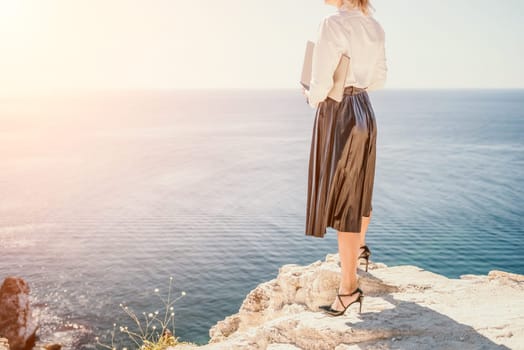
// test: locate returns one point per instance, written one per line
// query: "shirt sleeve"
(326, 56)
(380, 70)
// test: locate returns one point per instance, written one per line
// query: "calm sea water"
(104, 197)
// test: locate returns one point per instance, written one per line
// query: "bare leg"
(348, 247)
(365, 224)
(348, 250)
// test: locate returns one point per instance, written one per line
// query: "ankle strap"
(358, 290)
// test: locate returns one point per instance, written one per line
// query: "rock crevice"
(404, 307)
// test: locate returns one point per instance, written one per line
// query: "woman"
(343, 145)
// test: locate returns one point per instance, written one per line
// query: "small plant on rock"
(155, 333)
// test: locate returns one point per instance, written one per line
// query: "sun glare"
(9, 9)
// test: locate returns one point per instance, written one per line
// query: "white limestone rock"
(404, 307)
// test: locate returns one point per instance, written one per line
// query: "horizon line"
(179, 89)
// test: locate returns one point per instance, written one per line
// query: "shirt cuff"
(309, 102)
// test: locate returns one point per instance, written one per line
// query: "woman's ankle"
(348, 288)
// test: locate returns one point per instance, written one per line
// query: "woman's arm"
(326, 56)
(380, 70)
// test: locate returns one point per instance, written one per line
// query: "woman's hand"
(305, 94)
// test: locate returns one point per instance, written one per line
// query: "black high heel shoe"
(365, 255)
(334, 312)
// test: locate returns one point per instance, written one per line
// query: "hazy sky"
(60, 44)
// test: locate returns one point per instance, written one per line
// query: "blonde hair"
(364, 5)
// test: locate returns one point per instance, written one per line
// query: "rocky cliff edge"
(404, 307)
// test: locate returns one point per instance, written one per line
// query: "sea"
(152, 199)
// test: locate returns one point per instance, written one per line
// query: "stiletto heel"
(365, 255)
(334, 312)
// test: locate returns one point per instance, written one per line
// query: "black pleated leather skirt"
(341, 164)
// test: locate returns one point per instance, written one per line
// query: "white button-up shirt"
(362, 38)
